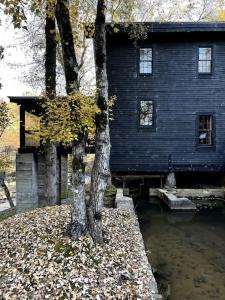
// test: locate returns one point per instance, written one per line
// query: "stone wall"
(26, 182)
(41, 180)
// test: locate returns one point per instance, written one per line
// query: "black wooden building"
(170, 109)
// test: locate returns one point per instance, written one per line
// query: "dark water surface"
(187, 250)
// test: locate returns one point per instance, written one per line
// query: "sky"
(9, 76)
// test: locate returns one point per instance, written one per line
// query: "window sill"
(145, 75)
(146, 128)
(205, 74)
(206, 148)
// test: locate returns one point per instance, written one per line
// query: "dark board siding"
(179, 93)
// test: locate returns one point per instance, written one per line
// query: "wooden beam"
(137, 177)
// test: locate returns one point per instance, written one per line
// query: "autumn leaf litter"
(39, 261)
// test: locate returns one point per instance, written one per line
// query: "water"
(186, 250)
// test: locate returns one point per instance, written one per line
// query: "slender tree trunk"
(66, 35)
(78, 222)
(100, 173)
(50, 56)
(6, 190)
(50, 149)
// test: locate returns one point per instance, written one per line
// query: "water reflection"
(186, 249)
(180, 217)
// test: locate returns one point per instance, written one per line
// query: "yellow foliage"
(220, 16)
(110, 104)
(65, 118)
(10, 136)
(137, 32)
(116, 30)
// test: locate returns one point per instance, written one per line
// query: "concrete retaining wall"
(194, 193)
(41, 180)
(30, 180)
(124, 202)
(26, 182)
(201, 193)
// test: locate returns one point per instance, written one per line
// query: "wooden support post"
(22, 127)
(125, 188)
(161, 181)
(170, 181)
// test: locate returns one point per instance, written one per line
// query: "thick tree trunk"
(78, 222)
(6, 190)
(79, 219)
(100, 172)
(50, 149)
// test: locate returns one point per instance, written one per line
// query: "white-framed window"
(145, 66)
(205, 60)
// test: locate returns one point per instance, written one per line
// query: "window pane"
(208, 66)
(205, 130)
(208, 53)
(205, 53)
(204, 66)
(145, 53)
(145, 61)
(146, 113)
(145, 67)
(200, 67)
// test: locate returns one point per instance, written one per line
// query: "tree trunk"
(50, 149)
(50, 156)
(79, 219)
(66, 36)
(6, 190)
(78, 222)
(100, 172)
(50, 56)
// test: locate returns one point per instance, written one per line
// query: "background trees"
(4, 159)
(4, 117)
